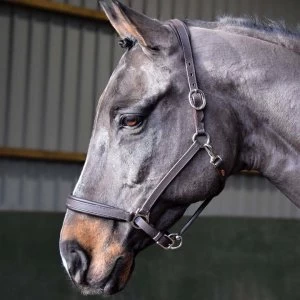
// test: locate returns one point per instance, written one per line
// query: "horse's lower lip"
(108, 286)
(89, 289)
(98, 289)
(111, 285)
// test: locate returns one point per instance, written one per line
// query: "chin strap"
(166, 240)
(169, 241)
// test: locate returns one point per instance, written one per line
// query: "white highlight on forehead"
(155, 76)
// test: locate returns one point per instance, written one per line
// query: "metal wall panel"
(36, 186)
(54, 75)
(5, 70)
(42, 186)
(252, 196)
(35, 80)
(207, 10)
(18, 81)
(71, 78)
(53, 69)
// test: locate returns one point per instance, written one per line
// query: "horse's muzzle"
(87, 275)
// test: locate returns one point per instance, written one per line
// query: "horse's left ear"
(128, 23)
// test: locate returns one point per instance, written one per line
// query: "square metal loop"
(197, 99)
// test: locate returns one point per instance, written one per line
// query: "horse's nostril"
(75, 260)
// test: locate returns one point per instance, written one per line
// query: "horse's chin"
(90, 291)
(115, 282)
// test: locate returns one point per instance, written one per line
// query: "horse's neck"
(261, 82)
(288, 41)
(266, 150)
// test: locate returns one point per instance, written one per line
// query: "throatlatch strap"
(169, 177)
(182, 34)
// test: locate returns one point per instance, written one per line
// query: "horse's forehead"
(132, 78)
(137, 75)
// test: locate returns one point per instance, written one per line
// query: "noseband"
(140, 219)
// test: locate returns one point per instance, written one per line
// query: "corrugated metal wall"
(43, 186)
(207, 9)
(53, 67)
(52, 71)
(36, 186)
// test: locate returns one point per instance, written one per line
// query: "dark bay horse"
(250, 76)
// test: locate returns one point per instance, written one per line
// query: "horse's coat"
(264, 96)
(251, 81)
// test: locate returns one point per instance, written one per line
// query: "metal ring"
(141, 215)
(205, 134)
(215, 159)
(192, 101)
(177, 241)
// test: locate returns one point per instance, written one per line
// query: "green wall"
(222, 258)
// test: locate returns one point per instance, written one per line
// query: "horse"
(247, 96)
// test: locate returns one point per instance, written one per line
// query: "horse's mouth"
(111, 284)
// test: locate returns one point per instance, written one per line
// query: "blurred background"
(55, 60)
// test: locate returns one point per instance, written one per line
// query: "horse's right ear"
(149, 33)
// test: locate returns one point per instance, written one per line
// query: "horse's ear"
(128, 23)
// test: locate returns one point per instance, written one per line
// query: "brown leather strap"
(97, 209)
(182, 33)
(169, 177)
(161, 238)
(196, 96)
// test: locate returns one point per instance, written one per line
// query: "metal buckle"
(141, 215)
(215, 160)
(192, 100)
(198, 134)
(175, 241)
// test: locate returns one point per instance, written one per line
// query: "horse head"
(143, 125)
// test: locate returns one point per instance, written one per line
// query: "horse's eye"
(131, 121)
